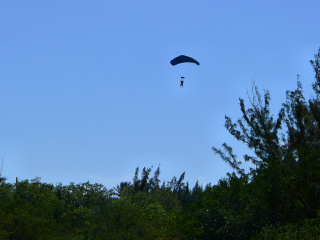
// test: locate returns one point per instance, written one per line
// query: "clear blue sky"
(87, 91)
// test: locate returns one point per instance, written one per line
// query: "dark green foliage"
(264, 134)
(2, 181)
(141, 210)
(283, 187)
(150, 185)
(304, 230)
(257, 129)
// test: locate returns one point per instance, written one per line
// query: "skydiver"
(181, 82)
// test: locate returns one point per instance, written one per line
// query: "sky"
(87, 92)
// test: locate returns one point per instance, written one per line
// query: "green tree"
(2, 179)
(262, 132)
(283, 186)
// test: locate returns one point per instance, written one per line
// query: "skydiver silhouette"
(181, 82)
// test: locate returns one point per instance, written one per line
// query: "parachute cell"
(183, 59)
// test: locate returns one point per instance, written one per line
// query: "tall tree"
(2, 179)
(264, 133)
(284, 187)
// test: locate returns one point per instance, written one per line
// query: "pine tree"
(284, 187)
(296, 125)
(2, 179)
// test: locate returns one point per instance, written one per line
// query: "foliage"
(297, 125)
(35, 210)
(307, 229)
(283, 187)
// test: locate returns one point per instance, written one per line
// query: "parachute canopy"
(183, 59)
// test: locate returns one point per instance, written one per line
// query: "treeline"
(278, 198)
(143, 209)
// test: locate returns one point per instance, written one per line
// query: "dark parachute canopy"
(183, 59)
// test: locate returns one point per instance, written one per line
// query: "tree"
(2, 179)
(263, 132)
(257, 129)
(284, 186)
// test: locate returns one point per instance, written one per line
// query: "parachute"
(183, 59)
